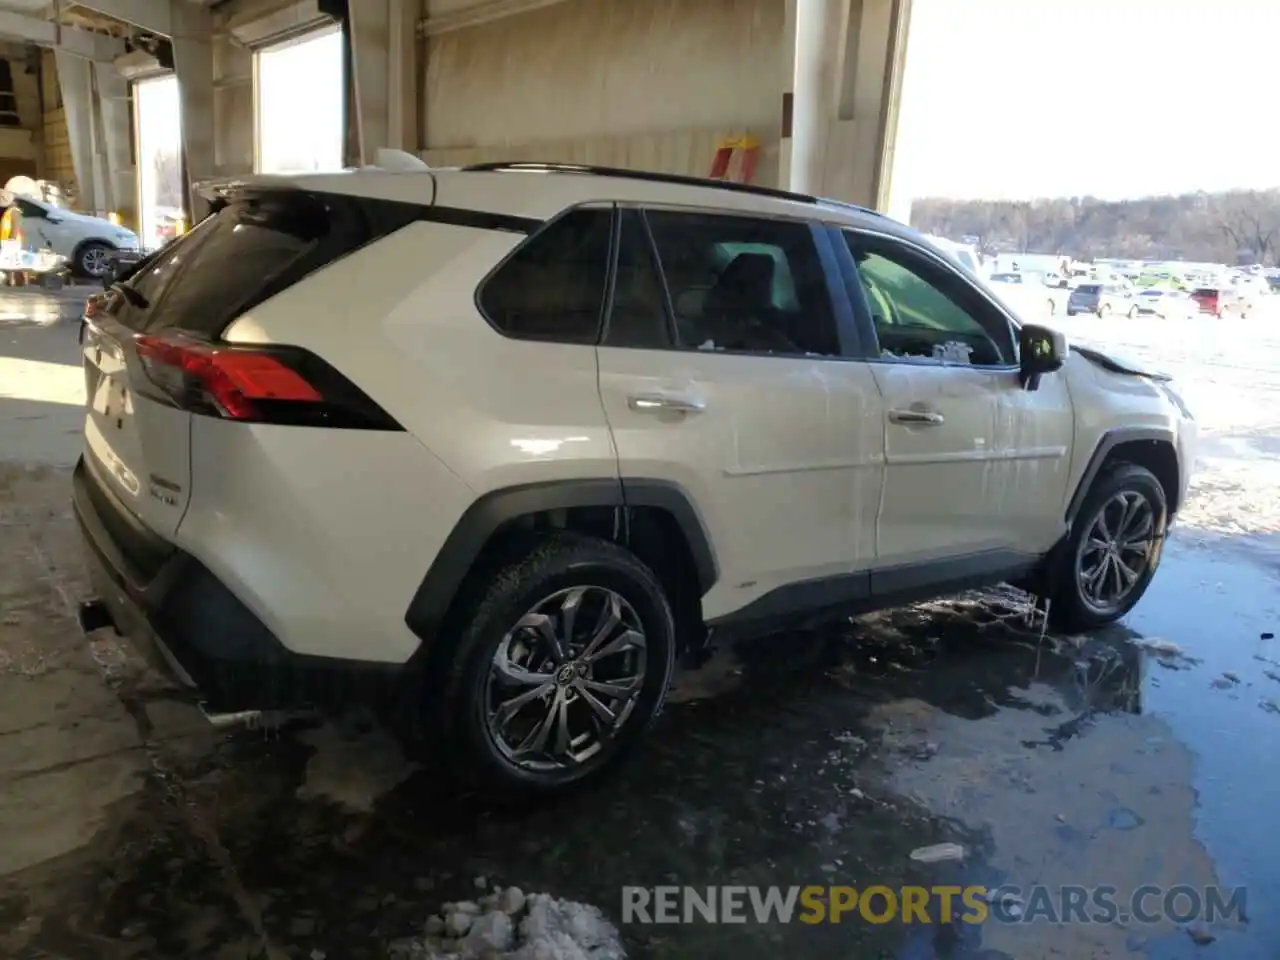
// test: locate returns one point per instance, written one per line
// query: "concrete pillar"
(75, 80)
(846, 61)
(383, 58)
(113, 141)
(193, 61)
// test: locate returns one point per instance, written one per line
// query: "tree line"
(1239, 226)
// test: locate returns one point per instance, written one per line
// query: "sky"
(1013, 99)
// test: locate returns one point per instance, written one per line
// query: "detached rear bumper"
(184, 620)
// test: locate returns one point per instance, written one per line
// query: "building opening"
(300, 87)
(158, 122)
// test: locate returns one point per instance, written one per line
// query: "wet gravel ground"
(1140, 755)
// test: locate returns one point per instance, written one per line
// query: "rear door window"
(744, 284)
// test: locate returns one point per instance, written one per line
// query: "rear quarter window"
(553, 286)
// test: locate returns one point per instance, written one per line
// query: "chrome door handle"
(663, 402)
(918, 417)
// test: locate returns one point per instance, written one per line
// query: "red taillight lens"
(235, 381)
(263, 385)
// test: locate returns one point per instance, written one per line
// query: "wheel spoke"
(569, 616)
(627, 688)
(628, 640)
(509, 708)
(610, 617)
(536, 741)
(544, 628)
(514, 674)
(597, 707)
(1127, 572)
(1128, 505)
(1116, 580)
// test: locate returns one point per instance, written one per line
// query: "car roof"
(542, 190)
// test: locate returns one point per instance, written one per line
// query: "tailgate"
(139, 447)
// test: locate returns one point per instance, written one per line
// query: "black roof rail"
(845, 205)
(649, 175)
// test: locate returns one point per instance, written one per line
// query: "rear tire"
(1113, 549)
(517, 642)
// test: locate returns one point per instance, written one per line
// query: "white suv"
(497, 444)
(87, 242)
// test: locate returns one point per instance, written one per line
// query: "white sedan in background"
(1166, 304)
(1027, 294)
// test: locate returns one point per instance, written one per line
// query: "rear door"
(732, 379)
(137, 439)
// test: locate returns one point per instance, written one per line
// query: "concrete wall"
(652, 84)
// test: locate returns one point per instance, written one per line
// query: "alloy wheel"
(565, 680)
(94, 261)
(1116, 551)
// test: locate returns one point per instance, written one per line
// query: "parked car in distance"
(1166, 304)
(1026, 294)
(1102, 300)
(467, 494)
(87, 242)
(1220, 302)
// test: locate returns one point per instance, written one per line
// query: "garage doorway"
(158, 122)
(300, 89)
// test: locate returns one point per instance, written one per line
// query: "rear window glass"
(235, 256)
(250, 250)
(1205, 292)
(1089, 288)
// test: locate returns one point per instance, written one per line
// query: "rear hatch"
(152, 358)
(1085, 293)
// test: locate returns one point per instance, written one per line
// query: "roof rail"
(504, 167)
(845, 205)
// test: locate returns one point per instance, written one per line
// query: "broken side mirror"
(1042, 351)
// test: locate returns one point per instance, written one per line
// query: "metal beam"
(153, 16)
(72, 40)
(477, 15)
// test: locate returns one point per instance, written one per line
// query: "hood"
(1109, 361)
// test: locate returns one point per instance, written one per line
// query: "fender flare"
(1106, 443)
(494, 510)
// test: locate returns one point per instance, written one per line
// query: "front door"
(731, 380)
(975, 465)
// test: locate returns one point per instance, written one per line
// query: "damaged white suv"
(494, 445)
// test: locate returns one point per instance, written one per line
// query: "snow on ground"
(1228, 372)
(507, 925)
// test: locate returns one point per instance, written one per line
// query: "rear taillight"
(283, 385)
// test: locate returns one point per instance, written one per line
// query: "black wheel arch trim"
(1108, 442)
(492, 511)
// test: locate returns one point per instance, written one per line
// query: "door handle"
(665, 402)
(917, 417)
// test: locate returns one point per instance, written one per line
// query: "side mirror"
(1042, 351)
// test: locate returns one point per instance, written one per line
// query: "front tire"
(1113, 550)
(562, 664)
(93, 259)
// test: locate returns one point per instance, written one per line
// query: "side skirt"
(811, 603)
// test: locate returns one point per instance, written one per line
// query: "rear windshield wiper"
(135, 298)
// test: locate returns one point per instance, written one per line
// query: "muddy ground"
(1142, 755)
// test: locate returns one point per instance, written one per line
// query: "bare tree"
(1250, 225)
(168, 170)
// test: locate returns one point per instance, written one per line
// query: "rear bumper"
(185, 621)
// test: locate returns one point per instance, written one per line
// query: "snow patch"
(507, 925)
